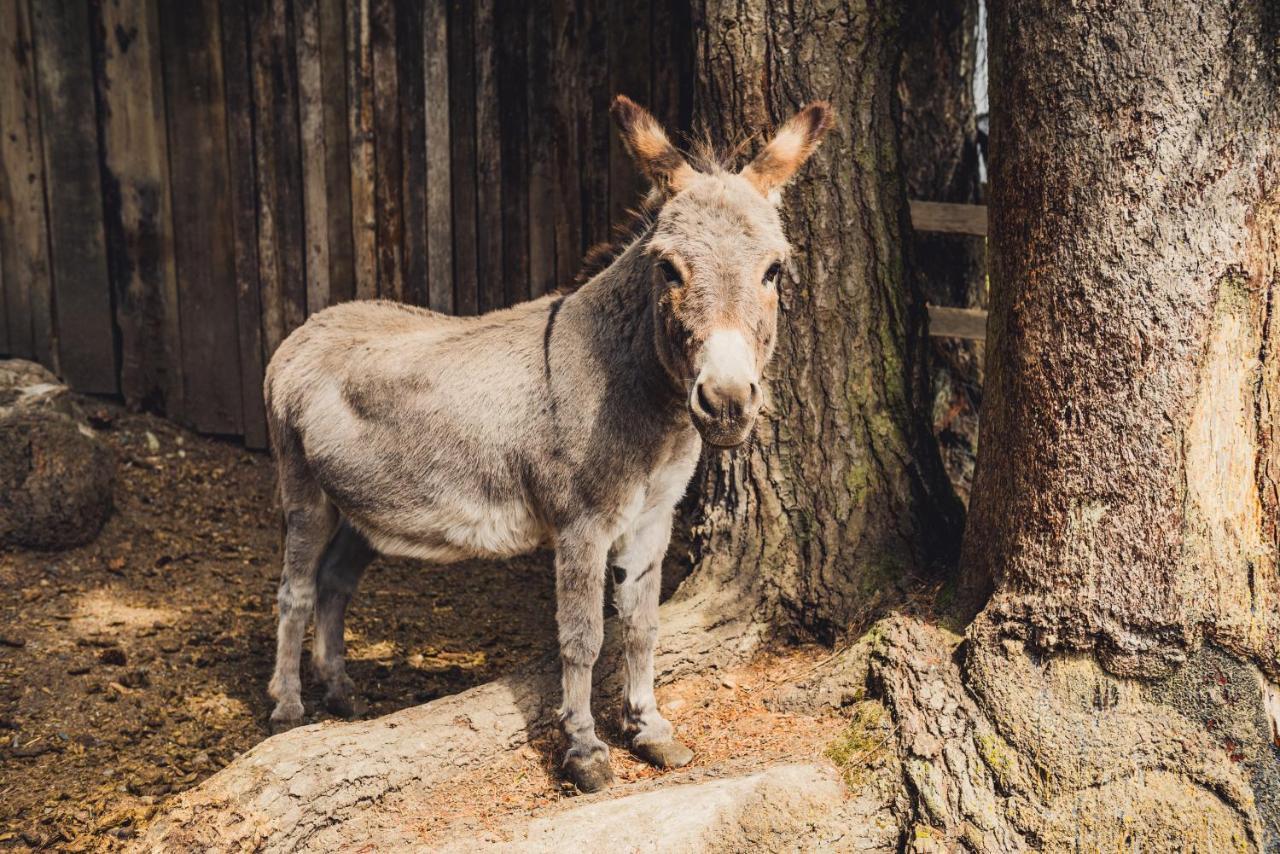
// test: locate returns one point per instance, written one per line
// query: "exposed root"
(1014, 753)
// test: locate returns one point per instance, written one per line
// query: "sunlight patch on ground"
(103, 611)
(430, 658)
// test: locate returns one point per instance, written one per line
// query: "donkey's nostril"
(704, 403)
(755, 394)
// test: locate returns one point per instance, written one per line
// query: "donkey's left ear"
(649, 147)
(789, 148)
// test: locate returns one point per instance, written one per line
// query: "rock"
(56, 480)
(27, 386)
(786, 807)
(113, 656)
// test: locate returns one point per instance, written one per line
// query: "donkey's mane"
(702, 156)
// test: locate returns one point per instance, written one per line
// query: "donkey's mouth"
(724, 436)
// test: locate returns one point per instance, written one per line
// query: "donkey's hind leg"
(309, 519)
(343, 562)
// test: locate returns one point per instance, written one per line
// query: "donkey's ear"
(649, 147)
(789, 148)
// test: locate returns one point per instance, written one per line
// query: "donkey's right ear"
(649, 147)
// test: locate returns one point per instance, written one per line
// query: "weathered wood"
(489, 265)
(138, 220)
(311, 120)
(238, 85)
(337, 152)
(542, 238)
(513, 119)
(970, 323)
(24, 238)
(462, 143)
(949, 218)
(629, 58)
(204, 242)
(386, 141)
(364, 224)
(597, 127)
(277, 155)
(413, 149)
(78, 255)
(670, 64)
(566, 117)
(435, 39)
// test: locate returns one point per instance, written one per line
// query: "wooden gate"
(182, 183)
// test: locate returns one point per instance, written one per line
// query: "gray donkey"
(570, 420)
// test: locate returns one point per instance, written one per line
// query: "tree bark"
(842, 494)
(1118, 690)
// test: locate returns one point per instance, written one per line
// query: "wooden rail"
(941, 217)
(949, 219)
(967, 323)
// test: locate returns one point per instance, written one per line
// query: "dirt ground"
(134, 667)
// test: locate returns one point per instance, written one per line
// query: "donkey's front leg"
(637, 582)
(580, 566)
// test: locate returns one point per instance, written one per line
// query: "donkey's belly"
(456, 531)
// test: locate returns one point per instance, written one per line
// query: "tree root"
(1012, 752)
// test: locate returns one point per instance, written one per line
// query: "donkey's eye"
(772, 274)
(669, 273)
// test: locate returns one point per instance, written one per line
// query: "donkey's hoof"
(663, 754)
(344, 706)
(591, 774)
(285, 717)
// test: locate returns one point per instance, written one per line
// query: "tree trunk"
(1119, 687)
(843, 493)
(939, 132)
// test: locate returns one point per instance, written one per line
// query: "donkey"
(571, 420)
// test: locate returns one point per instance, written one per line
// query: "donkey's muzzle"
(724, 411)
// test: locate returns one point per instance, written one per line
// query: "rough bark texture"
(1117, 691)
(843, 492)
(1134, 218)
(938, 124)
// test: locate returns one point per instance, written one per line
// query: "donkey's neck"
(617, 310)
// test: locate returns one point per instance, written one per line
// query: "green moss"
(861, 741)
(999, 758)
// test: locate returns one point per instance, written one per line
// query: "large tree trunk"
(1118, 691)
(843, 493)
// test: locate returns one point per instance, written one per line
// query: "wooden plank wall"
(181, 185)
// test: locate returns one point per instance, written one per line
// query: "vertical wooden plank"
(138, 221)
(315, 196)
(542, 249)
(78, 257)
(386, 141)
(671, 48)
(462, 140)
(513, 117)
(337, 153)
(238, 84)
(566, 117)
(413, 149)
(597, 127)
(364, 225)
(281, 262)
(24, 236)
(629, 75)
(204, 243)
(488, 161)
(435, 37)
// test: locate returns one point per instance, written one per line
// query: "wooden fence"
(182, 183)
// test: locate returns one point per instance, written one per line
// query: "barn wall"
(181, 184)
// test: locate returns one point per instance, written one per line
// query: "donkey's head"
(718, 253)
